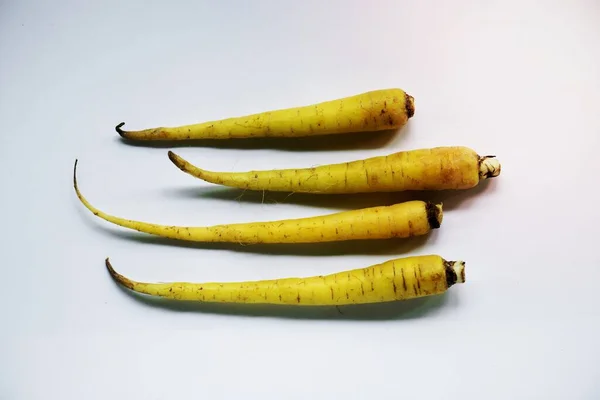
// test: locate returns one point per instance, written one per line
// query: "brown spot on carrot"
(433, 215)
(410, 228)
(382, 112)
(362, 288)
(391, 120)
(279, 297)
(409, 104)
(347, 295)
(395, 288)
(298, 298)
(403, 279)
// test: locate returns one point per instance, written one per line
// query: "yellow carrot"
(399, 279)
(371, 111)
(411, 218)
(423, 169)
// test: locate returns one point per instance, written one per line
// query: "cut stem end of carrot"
(455, 272)
(489, 167)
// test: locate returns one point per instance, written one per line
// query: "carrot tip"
(178, 161)
(109, 267)
(119, 130)
(116, 276)
(75, 173)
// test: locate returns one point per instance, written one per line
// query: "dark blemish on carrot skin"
(298, 298)
(403, 279)
(279, 297)
(256, 175)
(347, 295)
(331, 289)
(382, 112)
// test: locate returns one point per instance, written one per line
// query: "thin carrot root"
(437, 168)
(411, 218)
(398, 279)
(366, 112)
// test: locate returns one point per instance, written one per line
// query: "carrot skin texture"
(398, 279)
(436, 168)
(370, 111)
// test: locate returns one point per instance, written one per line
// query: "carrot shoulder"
(437, 168)
(411, 218)
(398, 279)
(371, 111)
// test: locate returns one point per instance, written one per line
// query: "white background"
(518, 79)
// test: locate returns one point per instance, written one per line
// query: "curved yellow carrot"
(371, 111)
(401, 220)
(399, 279)
(423, 169)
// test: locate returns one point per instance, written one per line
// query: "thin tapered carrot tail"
(185, 166)
(118, 277)
(145, 134)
